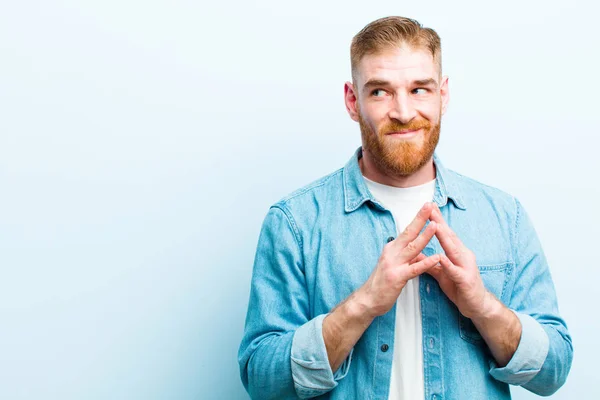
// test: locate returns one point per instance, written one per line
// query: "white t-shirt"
(407, 366)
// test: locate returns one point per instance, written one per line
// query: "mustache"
(395, 126)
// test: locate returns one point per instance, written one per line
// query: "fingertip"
(430, 229)
(434, 271)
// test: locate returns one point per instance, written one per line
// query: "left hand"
(459, 278)
(458, 274)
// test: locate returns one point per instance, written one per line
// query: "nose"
(402, 109)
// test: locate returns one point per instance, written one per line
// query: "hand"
(397, 264)
(458, 274)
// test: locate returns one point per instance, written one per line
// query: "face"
(398, 100)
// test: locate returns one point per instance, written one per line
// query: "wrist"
(358, 307)
(491, 309)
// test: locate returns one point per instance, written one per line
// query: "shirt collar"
(356, 192)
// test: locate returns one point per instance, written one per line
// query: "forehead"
(397, 65)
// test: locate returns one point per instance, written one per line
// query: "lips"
(404, 132)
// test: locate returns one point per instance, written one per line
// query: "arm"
(343, 327)
(459, 278)
(286, 354)
(500, 328)
(529, 341)
(543, 359)
(278, 320)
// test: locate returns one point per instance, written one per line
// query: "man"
(458, 305)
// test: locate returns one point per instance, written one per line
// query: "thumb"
(436, 272)
(451, 271)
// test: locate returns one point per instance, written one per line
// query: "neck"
(369, 169)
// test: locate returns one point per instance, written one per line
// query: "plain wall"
(142, 143)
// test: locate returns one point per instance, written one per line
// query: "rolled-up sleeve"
(529, 356)
(282, 354)
(544, 355)
(310, 365)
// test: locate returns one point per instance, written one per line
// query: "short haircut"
(392, 32)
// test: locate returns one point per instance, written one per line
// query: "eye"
(378, 93)
(420, 91)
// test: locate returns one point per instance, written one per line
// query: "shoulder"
(320, 190)
(311, 204)
(479, 195)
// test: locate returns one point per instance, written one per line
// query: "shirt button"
(390, 239)
(384, 347)
(436, 397)
(427, 288)
(431, 343)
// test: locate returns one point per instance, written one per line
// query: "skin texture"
(401, 90)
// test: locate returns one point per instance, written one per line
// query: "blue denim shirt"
(322, 242)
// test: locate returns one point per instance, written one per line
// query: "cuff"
(310, 364)
(529, 357)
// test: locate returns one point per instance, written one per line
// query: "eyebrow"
(425, 82)
(382, 83)
(376, 82)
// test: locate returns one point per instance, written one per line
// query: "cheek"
(368, 123)
(430, 111)
(374, 115)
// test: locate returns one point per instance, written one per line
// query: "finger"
(412, 249)
(418, 258)
(438, 273)
(452, 271)
(422, 266)
(452, 250)
(412, 230)
(436, 215)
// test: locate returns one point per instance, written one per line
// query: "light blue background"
(142, 142)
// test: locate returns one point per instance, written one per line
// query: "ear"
(350, 98)
(445, 93)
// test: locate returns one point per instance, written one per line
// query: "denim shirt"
(322, 242)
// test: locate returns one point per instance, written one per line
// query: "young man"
(394, 277)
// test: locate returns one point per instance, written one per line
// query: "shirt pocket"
(495, 277)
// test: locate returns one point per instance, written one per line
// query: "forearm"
(527, 353)
(500, 328)
(343, 327)
(281, 365)
(543, 358)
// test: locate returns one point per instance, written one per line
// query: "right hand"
(400, 261)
